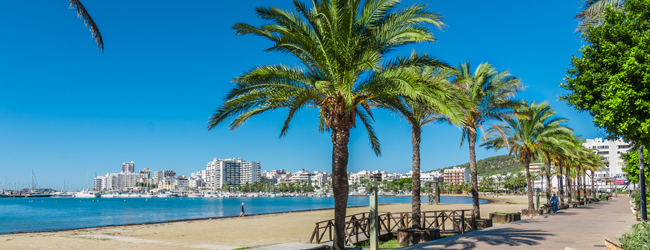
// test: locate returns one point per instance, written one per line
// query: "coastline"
(221, 232)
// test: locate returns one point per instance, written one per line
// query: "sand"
(224, 233)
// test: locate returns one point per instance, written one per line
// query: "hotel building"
(456, 175)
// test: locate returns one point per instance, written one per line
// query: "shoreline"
(220, 218)
(223, 233)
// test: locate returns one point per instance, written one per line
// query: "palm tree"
(341, 45)
(489, 92)
(522, 135)
(88, 20)
(593, 13)
(419, 114)
(559, 144)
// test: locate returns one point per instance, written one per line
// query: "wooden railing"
(357, 227)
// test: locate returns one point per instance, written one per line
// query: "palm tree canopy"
(489, 93)
(88, 20)
(341, 44)
(527, 136)
(446, 103)
(593, 12)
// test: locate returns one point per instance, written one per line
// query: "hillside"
(494, 165)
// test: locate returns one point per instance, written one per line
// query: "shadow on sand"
(503, 237)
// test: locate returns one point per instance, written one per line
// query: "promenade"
(579, 228)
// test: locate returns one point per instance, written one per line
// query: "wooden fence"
(357, 226)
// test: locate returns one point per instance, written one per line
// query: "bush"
(638, 237)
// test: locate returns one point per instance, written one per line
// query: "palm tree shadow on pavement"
(507, 237)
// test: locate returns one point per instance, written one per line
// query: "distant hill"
(494, 165)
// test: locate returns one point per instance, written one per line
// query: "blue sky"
(67, 109)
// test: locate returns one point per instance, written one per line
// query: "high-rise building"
(230, 172)
(611, 152)
(146, 172)
(128, 167)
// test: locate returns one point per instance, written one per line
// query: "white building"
(301, 175)
(128, 167)
(611, 151)
(230, 172)
(456, 175)
(120, 181)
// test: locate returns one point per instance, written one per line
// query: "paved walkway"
(580, 228)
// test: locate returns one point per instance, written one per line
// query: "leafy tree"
(341, 45)
(419, 114)
(489, 92)
(632, 165)
(611, 78)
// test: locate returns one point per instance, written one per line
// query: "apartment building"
(611, 151)
(230, 172)
(456, 175)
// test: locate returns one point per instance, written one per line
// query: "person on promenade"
(242, 211)
(554, 202)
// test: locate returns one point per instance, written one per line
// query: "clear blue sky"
(67, 109)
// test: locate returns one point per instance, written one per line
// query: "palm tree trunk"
(578, 183)
(560, 179)
(568, 184)
(548, 180)
(415, 203)
(584, 184)
(531, 206)
(340, 139)
(471, 136)
(593, 185)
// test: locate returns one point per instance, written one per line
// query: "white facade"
(230, 172)
(301, 175)
(456, 175)
(128, 167)
(611, 151)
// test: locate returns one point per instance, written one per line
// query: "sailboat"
(34, 193)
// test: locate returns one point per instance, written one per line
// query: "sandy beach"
(223, 233)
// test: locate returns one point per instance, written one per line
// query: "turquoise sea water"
(43, 214)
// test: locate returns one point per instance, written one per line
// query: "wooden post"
(374, 225)
(462, 221)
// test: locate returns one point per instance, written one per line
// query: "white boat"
(146, 196)
(195, 195)
(164, 195)
(110, 195)
(87, 194)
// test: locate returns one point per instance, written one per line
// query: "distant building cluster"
(128, 179)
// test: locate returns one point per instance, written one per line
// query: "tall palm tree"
(559, 144)
(490, 94)
(593, 13)
(522, 135)
(90, 23)
(341, 46)
(419, 114)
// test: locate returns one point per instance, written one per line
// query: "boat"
(195, 195)
(146, 196)
(87, 194)
(110, 195)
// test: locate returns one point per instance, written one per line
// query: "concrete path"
(286, 246)
(580, 228)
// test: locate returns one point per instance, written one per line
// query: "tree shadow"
(506, 237)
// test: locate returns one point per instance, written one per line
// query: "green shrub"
(638, 237)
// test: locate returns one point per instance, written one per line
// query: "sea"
(46, 214)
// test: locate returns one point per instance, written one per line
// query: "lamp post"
(644, 210)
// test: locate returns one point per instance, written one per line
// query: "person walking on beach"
(554, 202)
(242, 211)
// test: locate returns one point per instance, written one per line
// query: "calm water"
(21, 215)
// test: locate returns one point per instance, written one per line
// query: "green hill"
(494, 165)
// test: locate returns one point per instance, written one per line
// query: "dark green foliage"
(611, 79)
(632, 165)
(638, 237)
(500, 164)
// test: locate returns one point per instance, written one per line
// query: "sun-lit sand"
(226, 233)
